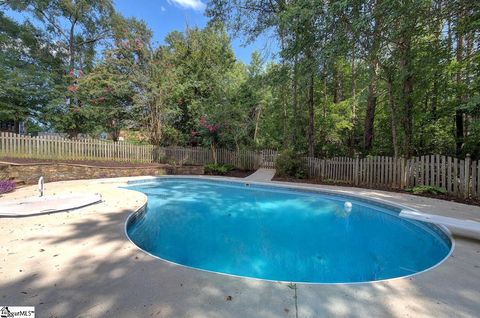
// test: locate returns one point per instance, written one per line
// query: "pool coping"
(303, 188)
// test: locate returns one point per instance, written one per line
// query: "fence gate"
(267, 158)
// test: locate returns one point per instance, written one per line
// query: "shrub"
(290, 164)
(218, 169)
(229, 166)
(426, 189)
(7, 186)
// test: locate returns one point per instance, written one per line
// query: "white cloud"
(162, 8)
(189, 4)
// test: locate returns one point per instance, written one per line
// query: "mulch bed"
(95, 163)
(238, 173)
(427, 195)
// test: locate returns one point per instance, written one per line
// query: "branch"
(101, 36)
(51, 21)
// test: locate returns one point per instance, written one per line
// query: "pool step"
(466, 228)
(262, 174)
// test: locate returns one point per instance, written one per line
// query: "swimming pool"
(281, 234)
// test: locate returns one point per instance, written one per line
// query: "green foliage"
(108, 92)
(29, 72)
(172, 136)
(202, 59)
(421, 189)
(407, 69)
(218, 169)
(290, 164)
(404, 75)
(70, 31)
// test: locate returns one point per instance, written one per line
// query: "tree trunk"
(73, 131)
(284, 91)
(353, 142)
(324, 110)
(16, 126)
(155, 123)
(285, 117)
(257, 120)
(214, 152)
(371, 106)
(407, 94)
(115, 135)
(435, 98)
(391, 103)
(337, 85)
(469, 53)
(311, 115)
(449, 35)
(294, 103)
(71, 46)
(437, 71)
(459, 129)
(373, 79)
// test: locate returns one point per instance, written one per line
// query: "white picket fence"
(459, 177)
(55, 147)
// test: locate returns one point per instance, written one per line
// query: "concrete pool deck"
(81, 264)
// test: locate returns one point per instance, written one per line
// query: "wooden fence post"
(404, 172)
(473, 187)
(466, 187)
(258, 158)
(356, 170)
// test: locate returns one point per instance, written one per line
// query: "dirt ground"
(236, 173)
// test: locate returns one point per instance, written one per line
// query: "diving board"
(467, 228)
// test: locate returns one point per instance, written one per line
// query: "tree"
(210, 134)
(407, 70)
(108, 93)
(412, 63)
(147, 76)
(202, 60)
(75, 27)
(29, 71)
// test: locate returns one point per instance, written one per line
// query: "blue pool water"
(280, 234)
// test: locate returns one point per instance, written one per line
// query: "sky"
(164, 16)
